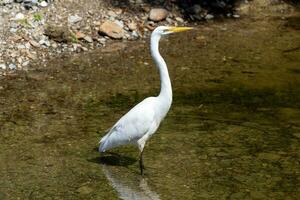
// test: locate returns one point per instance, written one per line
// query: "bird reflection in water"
(129, 186)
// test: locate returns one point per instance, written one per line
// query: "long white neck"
(165, 87)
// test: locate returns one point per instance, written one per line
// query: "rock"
(132, 26)
(209, 17)
(169, 20)
(84, 190)
(179, 19)
(88, 39)
(12, 66)
(120, 23)
(13, 30)
(2, 66)
(135, 34)
(73, 19)
(112, 30)
(112, 14)
(28, 4)
(79, 35)
(59, 33)
(150, 26)
(43, 4)
(34, 43)
(24, 64)
(45, 42)
(7, 1)
(101, 41)
(54, 45)
(158, 14)
(19, 16)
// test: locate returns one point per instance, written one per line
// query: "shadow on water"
(128, 185)
(113, 159)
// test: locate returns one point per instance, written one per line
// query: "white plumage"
(137, 126)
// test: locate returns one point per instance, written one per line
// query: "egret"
(141, 122)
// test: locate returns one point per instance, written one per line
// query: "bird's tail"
(102, 144)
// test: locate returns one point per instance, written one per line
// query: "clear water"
(232, 133)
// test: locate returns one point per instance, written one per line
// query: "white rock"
(24, 64)
(13, 30)
(209, 16)
(43, 4)
(2, 66)
(179, 19)
(120, 23)
(19, 16)
(8, 1)
(74, 19)
(135, 34)
(88, 39)
(12, 66)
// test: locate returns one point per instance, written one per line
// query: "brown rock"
(79, 35)
(59, 33)
(34, 43)
(132, 26)
(112, 30)
(158, 14)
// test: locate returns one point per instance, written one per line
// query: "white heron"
(141, 122)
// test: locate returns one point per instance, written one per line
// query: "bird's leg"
(142, 167)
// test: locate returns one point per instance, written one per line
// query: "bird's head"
(165, 30)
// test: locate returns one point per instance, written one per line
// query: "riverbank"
(34, 33)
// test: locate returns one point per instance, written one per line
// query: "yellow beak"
(179, 29)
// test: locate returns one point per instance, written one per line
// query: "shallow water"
(233, 131)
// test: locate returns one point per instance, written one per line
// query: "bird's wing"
(131, 127)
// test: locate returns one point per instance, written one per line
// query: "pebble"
(112, 14)
(19, 16)
(45, 42)
(132, 26)
(74, 19)
(179, 19)
(88, 39)
(34, 43)
(209, 17)
(24, 64)
(13, 30)
(43, 4)
(7, 1)
(135, 34)
(2, 66)
(12, 66)
(120, 23)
